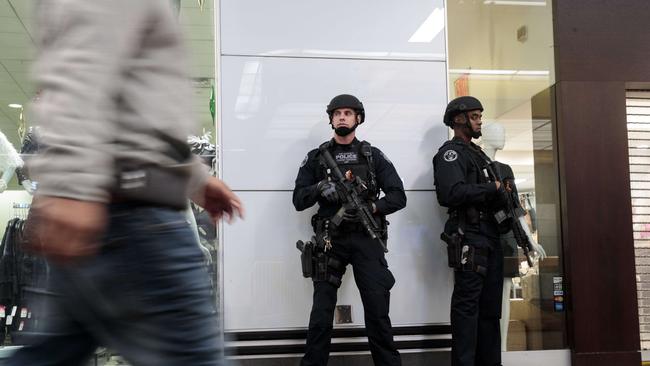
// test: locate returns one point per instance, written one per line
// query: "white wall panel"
(264, 288)
(335, 28)
(273, 113)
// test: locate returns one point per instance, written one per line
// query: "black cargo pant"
(374, 281)
(476, 310)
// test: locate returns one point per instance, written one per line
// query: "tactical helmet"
(346, 101)
(460, 105)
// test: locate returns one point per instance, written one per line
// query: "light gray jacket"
(113, 88)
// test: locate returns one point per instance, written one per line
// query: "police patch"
(348, 157)
(304, 161)
(450, 155)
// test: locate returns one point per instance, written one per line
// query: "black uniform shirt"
(461, 184)
(312, 171)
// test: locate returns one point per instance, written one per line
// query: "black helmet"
(346, 101)
(460, 105)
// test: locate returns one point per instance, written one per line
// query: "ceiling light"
(15, 105)
(519, 181)
(512, 2)
(433, 25)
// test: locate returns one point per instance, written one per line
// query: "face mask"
(344, 131)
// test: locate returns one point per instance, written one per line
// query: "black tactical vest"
(356, 157)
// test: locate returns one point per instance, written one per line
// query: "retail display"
(23, 279)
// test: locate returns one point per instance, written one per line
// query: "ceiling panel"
(5, 9)
(24, 9)
(10, 25)
(10, 40)
(17, 66)
(17, 53)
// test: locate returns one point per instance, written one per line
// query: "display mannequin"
(9, 161)
(493, 139)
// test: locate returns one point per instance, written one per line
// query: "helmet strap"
(468, 124)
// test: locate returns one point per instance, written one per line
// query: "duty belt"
(481, 215)
(350, 226)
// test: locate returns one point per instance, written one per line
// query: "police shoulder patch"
(450, 155)
(304, 161)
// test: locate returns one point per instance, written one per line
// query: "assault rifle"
(512, 211)
(353, 188)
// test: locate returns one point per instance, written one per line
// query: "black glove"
(328, 190)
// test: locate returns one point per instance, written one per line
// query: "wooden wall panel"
(599, 46)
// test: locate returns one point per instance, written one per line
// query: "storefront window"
(502, 53)
(638, 134)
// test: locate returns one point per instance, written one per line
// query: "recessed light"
(15, 105)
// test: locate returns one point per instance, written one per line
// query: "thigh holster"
(465, 257)
(328, 268)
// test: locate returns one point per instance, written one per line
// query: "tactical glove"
(328, 190)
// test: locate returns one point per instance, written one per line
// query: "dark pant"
(374, 281)
(146, 295)
(476, 311)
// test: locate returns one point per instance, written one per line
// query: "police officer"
(464, 186)
(349, 243)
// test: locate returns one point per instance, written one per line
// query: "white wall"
(281, 63)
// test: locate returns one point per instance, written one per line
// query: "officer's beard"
(344, 130)
(473, 134)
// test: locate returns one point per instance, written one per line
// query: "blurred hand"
(372, 206)
(65, 230)
(508, 184)
(541, 253)
(216, 198)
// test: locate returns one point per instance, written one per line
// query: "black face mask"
(344, 131)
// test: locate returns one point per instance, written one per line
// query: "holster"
(315, 261)
(454, 246)
(464, 257)
(306, 257)
(319, 265)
